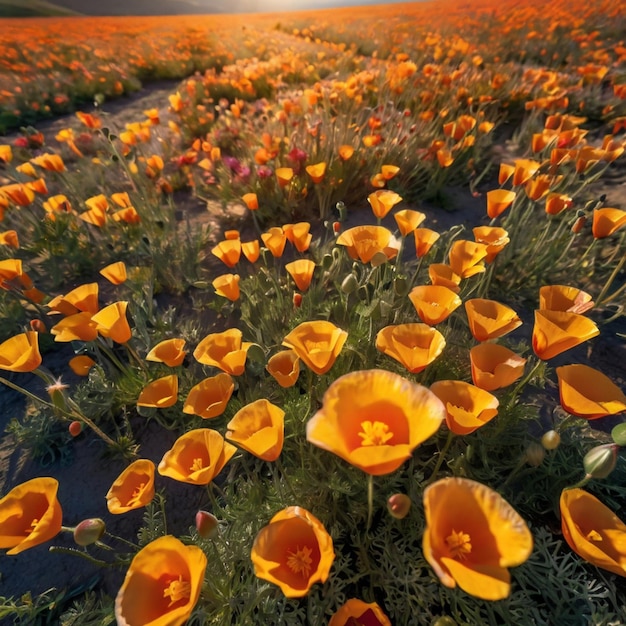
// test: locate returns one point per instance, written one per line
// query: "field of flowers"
(240, 307)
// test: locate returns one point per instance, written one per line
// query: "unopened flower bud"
(89, 531)
(349, 284)
(75, 428)
(38, 326)
(399, 505)
(207, 524)
(297, 300)
(579, 224)
(336, 227)
(379, 258)
(600, 461)
(551, 440)
(534, 454)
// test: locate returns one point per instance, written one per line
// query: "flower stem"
(370, 500)
(442, 455)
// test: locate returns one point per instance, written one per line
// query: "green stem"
(609, 282)
(370, 501)
(442, 455)
(84, 555)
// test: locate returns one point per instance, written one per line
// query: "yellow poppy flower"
(317, 343)
(133, 488)
(414, 345)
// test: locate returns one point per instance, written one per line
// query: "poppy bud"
(297, 300)
(349, 284)
(38, 326)
(89, 531)
(534, 454)
(379, 258)
(579, 224)
(600, 461)
(75, 428)
(207, 524)
(341, 209)
(336, 227)
(399, 505)
(551, 440)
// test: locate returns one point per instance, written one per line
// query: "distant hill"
(142, 7)
(34, 8)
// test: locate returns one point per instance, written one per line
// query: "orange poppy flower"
(557, 202)
(593, 531)
(374, 419)
(442, 274)
(228, 251)
(99, 203)
(489, 319)
(251, 250)
(345, 152)
(170, 351)
(9, 238)
(111, 322)
(227, 286)
(557, 331)
(434, 303)
(196, 457)
(81, 365)
(224, 350)
(162, 585)
(284, 366)
(494, 237)
(76, 327)
(317, 343)
(284, 175)
(30, 514)
(301, 271)
(425, 238)
(408, 220)
(365, 242)
(133, 488)
(128, 215)
(299, 235)
(466, 258)
(20, 353)
(294, 551)
(316, 172)
(251, 201)
(588, 393)
(355, 611)
(275, 240)
(115, 273)
(472, 536)
(495, 366)
(160, 393)
(564, 298)
(468, 407)
(382, 201)
(6, 153)
(505, 172)
(82, 298)
(57, 204)
(18, 194)
(607, 221)
(50, 162)
(210, 397)
(524, 170)
(122, 199)
(258, 428)
(389, 171)
(498, 201)
(414, 345)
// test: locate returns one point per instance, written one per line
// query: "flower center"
(196, 465)
(134, 498)
(300, 561)
(177, 590)
(374, 433)
(459, 545)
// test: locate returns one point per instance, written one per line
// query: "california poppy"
(355, 611)
(111, 322)
(224, 350)
(364, 242)
(564, 298)
(414, 345)
(284, 175)
(9, 238)
(557, 331)
(299, 235)
(434, 303)
(468, 407)
(587, 392)
(169, 351)
(593, 531)
(20, 353)
(495, 366)
(317, 343)
(494, 237)
(284, 366)
(382, 201)
(498, 201)
(524, 170)
(472, 536)
(82, 298)
(374, 419)
(294, 551)
(425, 238)
(81, 364)
(30, 514)
(316, 171)
(196, 457)
(251, 250)
(227, 286)
(133, 488)
(275, 241)
(115, 272)
(160, 393)
(489, 319)
(76, 327)
(301, 270)
(443, 274)
(408, 220)
(251, 201)
(466, 258)
(210, 397)
(162, 584)
(606, 221)
(258, 428)
(228, 251)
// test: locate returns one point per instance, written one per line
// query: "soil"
(86, 475)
